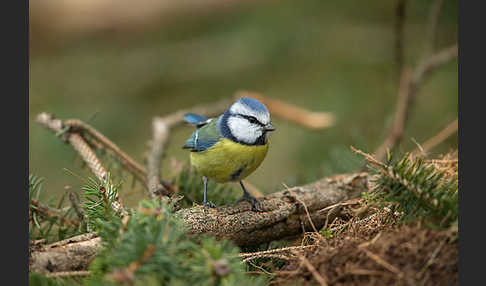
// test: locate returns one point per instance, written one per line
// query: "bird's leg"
(205, 201)
(255, 205)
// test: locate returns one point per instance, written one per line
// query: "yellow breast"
(228, 161)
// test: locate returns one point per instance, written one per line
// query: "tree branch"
(67, 255)
(128, 162)
(445, 133)
(407, 92)
(400, 33)
(431, 31)
(409, 85)
(401, 116)
(80, 145)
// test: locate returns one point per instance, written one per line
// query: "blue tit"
(230, 147)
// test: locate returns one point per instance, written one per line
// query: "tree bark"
(285, 215)
(72, 254)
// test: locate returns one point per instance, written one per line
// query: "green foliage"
(173, 258)
(191, 186)
(421, 189)
(150, 246)
(41, 280)
(49, 221)
(100, 196)
(35, 187)
(326, 233)
(38, 279)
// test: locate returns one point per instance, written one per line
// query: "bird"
(231, 146)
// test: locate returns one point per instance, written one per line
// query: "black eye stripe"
(252, 119)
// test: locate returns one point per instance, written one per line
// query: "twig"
(399, 33)
(401, 116)
(127, 274)
(308, 215)
(430, 64)
(301, 116)
(382, 262)
(432, 27)
(312, 269)
(430, 261)
(278, 256)
(128, 162)
(160, 137)
(277, 250)
(67, 274)
(75, 205)
(366, 219)
(80, 145)
(46, 211)
(368, 157)
(432, 142)
(261, 268)
(409, 85)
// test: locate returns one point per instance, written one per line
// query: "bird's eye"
(252, 119)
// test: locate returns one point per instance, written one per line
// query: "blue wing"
(205, 136)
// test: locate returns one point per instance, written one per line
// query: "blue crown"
(253, 104)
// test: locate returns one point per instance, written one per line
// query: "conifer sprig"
(50, 222)
(100, 197)
(421, 189)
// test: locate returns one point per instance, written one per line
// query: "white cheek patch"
(244, 130)
(238, 108)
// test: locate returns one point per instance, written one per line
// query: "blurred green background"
(117, 71)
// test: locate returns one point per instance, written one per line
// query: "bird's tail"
(194, 118)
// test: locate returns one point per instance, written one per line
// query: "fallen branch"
(285, 217)
(72, 254)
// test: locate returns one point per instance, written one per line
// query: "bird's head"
(247, 121)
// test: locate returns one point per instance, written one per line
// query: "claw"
(255, 205)
(209, 204)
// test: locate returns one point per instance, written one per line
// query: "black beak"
(269, 127)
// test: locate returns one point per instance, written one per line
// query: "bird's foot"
(209, 204)
(255, 205)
